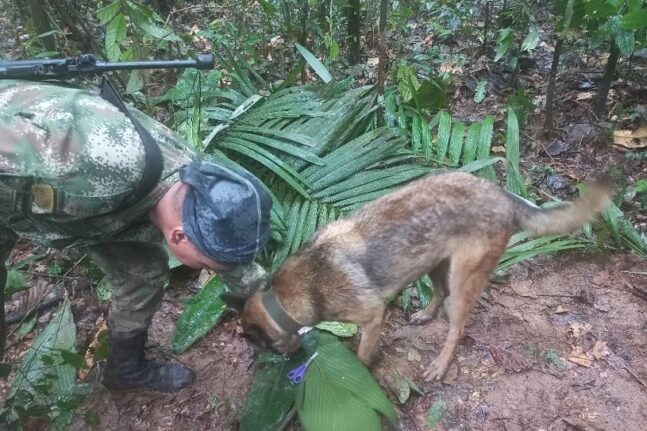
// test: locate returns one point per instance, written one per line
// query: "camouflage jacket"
(68, 158)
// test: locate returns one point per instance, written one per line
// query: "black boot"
(127, 368)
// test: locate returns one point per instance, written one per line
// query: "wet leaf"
(435, 413)
(43, 374)
(314, 62)
(104, 290)
(15, 282)
(199, 316)
(338, 328)
(26, 327)
(339, 393)
(272, 394)
(552, 358)
(399, 385)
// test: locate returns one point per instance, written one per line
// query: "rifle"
(63, 68)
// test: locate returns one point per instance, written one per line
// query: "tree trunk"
(41, 23)
(381, 66)
(354, 24)
(323, 13)
(550, 89)
(607, 79)
(75, 23)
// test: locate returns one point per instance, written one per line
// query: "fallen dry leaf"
(580, 357)
(498, 149)
(579, 329)
(586, 95)
(631, 138)
(560, 310)
(601, 278)
(89, 354)
(522, 288)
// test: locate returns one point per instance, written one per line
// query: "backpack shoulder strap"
(154, 162)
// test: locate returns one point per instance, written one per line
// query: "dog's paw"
(435, 371)
(420, 318)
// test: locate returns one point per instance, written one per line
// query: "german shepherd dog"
(453, 226)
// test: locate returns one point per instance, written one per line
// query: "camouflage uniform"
(68, 158)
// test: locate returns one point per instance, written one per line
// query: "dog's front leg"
(370, 336)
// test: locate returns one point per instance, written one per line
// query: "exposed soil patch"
(512, 370)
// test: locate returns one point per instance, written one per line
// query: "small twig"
(638, 379)
(636, 272)
(42, 274)
(288, 419)
(636, 291)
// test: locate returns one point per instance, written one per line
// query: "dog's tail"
(565, 218)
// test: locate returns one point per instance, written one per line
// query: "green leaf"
(435, 413)
(26, 327)
(16, 282)
(471, 143)
(272, 395)
(267, 7)
(456, 144)
(339, 393)
(202, 314)
(74, 359)
(531, 40)
(634, 20)
(485, 142)
(43, 374)
(104, 289)
(479, 92)
(109, 12)
(115, 34)
(444, 128)
(625, 40)
(431, 94)
(314, 62)
(514, 182)
(339, 329)
(504, 42)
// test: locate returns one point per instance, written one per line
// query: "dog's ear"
(235, 301)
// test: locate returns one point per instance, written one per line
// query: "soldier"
(70, 164)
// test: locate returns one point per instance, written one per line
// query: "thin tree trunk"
(550, 89)
(354, 25)
(381, 66)
(607, 79)
(323, 13)
(42, 24)
(486, 26)
(71, 19)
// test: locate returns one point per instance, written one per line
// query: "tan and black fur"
(454, 227)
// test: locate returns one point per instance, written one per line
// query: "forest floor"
(559, 343)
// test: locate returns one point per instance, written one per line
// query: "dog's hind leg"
(370, 335)
(439, 277)
(469, 272)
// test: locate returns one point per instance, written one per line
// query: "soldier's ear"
(236, 301)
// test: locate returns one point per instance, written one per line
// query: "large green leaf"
(339, 393)
(314, 63)
(444, 128)
(514, 181)
(202, 314)
(272, 395)
(634, 20)
(45, 382)
(485, 142)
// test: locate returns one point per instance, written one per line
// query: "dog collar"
(278, 313)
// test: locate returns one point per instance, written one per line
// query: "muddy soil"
(560, 345)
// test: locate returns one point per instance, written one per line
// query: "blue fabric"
(226, 213)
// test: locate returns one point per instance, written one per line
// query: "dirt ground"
(560, 345)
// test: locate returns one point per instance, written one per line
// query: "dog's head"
(258, 326)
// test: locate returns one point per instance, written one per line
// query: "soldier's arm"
(246, 278)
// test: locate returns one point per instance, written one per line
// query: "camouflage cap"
(226, 213)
